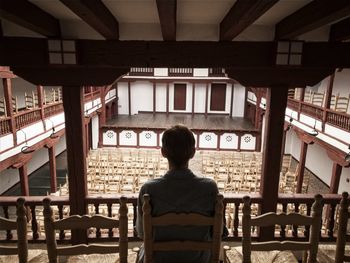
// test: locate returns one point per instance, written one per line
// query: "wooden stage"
(194, 122)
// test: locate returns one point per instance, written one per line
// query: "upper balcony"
(178, 72)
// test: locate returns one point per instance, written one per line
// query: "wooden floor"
(197, 121)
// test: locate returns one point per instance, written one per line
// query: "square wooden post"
(276, 105)
(53, 173)
(23, 177)
(73, 103)
(301, 169)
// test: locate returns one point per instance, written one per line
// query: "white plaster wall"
(227, 100)
(238, 98)
(160, 72)
(208, 140)
(199, 98)
(148, 138)
(248, 142)
(123, 102)
(141, 97)
(161, 97)
(200, 72)
(229, 141)
(127, 138)
(109, 138)
(6, 142)
(338, 133)
(95, 131)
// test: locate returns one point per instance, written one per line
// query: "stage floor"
(197, 121)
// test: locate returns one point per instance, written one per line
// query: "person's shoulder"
(206, 181)
(151, 183)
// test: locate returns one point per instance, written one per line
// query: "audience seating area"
(339, 102)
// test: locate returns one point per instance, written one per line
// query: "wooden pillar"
(129, 98)
(102, 117)
(53, 174)
(301, 170)
(23, 178)
(257, 110)
(9, 109)
(154, 97)
(336, 173)
(206, 98)
(231, 104)
(117, 99)
(40, 92)
(73, 104)
(275, 112)
(167, 98)
(245, 102)
(302, 94)
(193, 96)
(328, 99)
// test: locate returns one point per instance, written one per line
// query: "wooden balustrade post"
(301, 169)
(53, 174)
(23, 178)
(73, 104)
(275, 112)
(9, 109)
(40, 92)
(102, 117)
(257, 110)
(302, 96)
(206, 99)
(328, 99)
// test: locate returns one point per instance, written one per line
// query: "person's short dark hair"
(178, 144)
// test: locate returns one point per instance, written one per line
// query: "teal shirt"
(179, 191)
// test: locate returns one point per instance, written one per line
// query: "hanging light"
(347, 156)
(289, 124)
(313, 132)
(53, 134)
(26, 149)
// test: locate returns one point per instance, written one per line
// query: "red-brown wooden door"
(218, 97)
(179, 96)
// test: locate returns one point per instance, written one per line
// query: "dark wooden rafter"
(167, 18)
(96, 15)
(1, 31)
(340, 31)
(242, 14)
(312, 16)
(30, 16)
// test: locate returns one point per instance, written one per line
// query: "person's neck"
(173, 167)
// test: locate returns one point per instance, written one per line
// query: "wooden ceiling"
(169, 20)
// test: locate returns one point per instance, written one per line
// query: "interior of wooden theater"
(89, 87)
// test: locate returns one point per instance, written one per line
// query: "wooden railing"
(300, 203)
(27, 117)
(5, 125)
(312, 110)
(141, 71)
(53, 109)
(338, 119)
(293, 104)
(180, 71)
(219, 72)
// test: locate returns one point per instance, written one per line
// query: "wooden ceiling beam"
(242, 14)
(340, 31)
(312, 16)
(28, 15)
(167, 18)
(96, 15)
(1, 31)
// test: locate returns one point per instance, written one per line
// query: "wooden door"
(218, 97)
(179, 96)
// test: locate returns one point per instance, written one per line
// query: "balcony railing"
(5, 125)
(180, 71)
(53, 109)
(27, 117)
(338, 119)
(141, 72)
(299, 203)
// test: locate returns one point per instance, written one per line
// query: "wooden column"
(276, 104)
(117, 99)
(231, 105)
(167, 98)
(257, 110)
(129, 98)
(336, 173)
(206, 98)
(301, 170)
(193, 96)
(73, 103)
(23, 178)
(154, 97)
(9, 109)
(53, 174)
(328, 99)
(102, 117)
(40, 92)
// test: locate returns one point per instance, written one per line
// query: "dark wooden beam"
(53, 173)
(312, 16)
(276, 105)
(167, 18)
(340, 31)
(73, 104)
(301, 169)
(242, 14)
(96, 15)
(28, 15)
(1, 31)
(336, 173)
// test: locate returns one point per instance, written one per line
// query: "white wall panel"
(123, 102)
(161, 72)
(161, 97)
(109, 138)
(248, 142)
(94, 131)
(6, 142)
(338, 133)
(238, 98)
(229, 141)
(141, 96)
(148, 138)
(199, 98)
(200, 72)
(208, 140)
(128, 138)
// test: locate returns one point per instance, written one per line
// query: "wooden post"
(275, 112)
(23, 178)
(257, 110)
(206, 98)
(22, 231)
(301, 170)
(167, 98)
(8, 104)
(154, 97)
(117, 99)
(102, 117)
(328, 99)
(53, 174)
(336, 173)
(193, 96)
(231, 104)
(129, 98)
(73, 104)
(40, 91)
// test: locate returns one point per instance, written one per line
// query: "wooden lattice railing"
(53, 109)
(24, 118)
(338, 119)
(106, 204)
(5, 125)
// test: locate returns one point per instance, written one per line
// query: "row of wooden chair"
(230, 254)
(338, 102)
